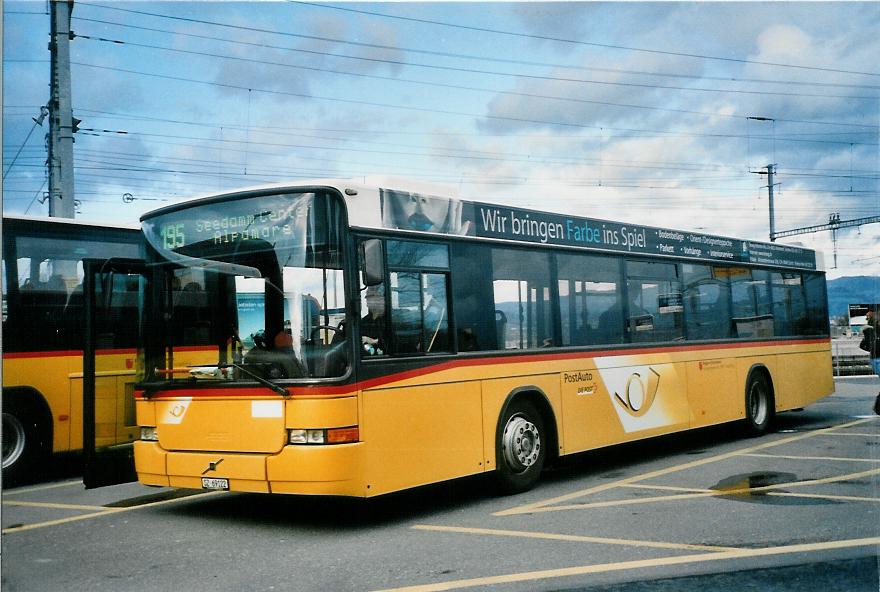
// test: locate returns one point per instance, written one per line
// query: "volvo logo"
(212, 466)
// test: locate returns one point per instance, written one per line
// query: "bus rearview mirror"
(374, 262)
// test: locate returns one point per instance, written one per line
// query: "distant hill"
(851, 290)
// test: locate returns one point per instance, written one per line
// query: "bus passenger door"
(113, 291)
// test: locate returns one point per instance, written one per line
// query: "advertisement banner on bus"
(413, 211)
(492, 221)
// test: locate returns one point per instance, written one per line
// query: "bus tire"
(520, 447)
(24, 439)
(759, 404)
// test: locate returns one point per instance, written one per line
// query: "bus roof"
(69, 221)
(416, 207)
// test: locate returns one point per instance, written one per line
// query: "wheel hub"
(758, 404)
(13, 439)
(520, 443)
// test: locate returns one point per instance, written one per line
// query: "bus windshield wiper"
(264, 381)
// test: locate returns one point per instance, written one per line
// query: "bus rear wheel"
(520, 447)
(22, 445)
(759, 405)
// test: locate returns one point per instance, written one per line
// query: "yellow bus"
(43, 318)
(368, 340)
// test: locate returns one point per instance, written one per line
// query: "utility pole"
(770, 185)
(61, 122)
(769, 173)
(770, 201)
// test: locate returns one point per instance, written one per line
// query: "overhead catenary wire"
(344, 165)
(434, 110)
(384, 131)
(37, 121)
(495, 73)
(482, 57)
(485, 30)
(282, 173)
(481, 155)
(587, 43)
(471, 155)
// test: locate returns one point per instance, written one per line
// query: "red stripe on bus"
(570, 356)
(331, 390)
(45, 354)
(67, 353)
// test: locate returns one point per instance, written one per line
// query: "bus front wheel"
(520, 447)
(759, 405)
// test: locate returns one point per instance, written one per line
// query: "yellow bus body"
(56, 379)
(437, 423)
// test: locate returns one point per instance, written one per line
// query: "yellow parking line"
(845, 498)
(842, 498)
(534, 506)
(105, 512)
(632, 501)
(570, 537)
(828, 458)
(41, 487)
(667, 488)
(704, 493)
(856, 435)
(532, 576)
(53, 506)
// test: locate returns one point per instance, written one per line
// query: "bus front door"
(113, 291)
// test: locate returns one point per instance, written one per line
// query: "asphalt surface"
(798, 509)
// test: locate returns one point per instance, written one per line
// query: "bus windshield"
(253, 289)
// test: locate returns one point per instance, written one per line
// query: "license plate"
(215, 483)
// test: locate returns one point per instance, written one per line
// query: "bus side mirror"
(374, 262)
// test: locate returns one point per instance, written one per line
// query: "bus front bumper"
(297, 469)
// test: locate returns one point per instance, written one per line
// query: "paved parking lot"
(793, 510)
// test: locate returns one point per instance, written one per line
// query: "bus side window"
(655, 302)
(521, 295)
(43, 296)
(435, 313)
(750, 301)
(789, 303)
(405, 312)
(189, 308)
(409, 313)
(817, 312)
(419, 312)
(706, 301)
(589, 299)
(476, 320)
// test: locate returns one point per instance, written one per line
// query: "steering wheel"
(338, 330)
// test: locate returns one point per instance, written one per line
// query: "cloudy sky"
(641, 112)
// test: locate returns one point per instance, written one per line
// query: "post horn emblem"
(647, 392)
(212, 466)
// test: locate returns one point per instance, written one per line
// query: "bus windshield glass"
(252, 289)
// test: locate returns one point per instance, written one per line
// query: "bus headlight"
(297, 436)
(149, 433)
(328, 436)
